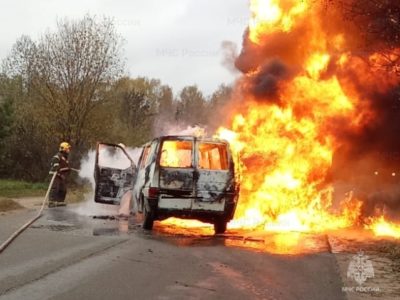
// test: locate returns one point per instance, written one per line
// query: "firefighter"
(59, 165)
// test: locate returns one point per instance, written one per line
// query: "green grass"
(15, 188)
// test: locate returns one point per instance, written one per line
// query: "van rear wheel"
(148, 220)
(220, 226)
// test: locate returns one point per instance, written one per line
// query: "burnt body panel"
(213, 185)
(172, 179)
(111, 184)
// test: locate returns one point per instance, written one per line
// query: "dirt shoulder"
(10, 204)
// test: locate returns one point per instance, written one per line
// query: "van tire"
(148, 219)
(220, 226)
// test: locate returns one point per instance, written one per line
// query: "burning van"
(177, 176)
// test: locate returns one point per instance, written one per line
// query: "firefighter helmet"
(65, 147)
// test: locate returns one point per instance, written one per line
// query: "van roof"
(192, 137)
(187, 137)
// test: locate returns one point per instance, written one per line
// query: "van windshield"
(176, 154)
(213, 156)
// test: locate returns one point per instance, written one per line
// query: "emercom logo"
(360, 268)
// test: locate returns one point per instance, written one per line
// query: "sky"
(176, 41)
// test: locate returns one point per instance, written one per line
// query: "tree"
(166, 111)
(166, 102)
(133, 109)
(191, 106)
(8, 88)
(217, 107)
(6, 108)
(379, 23)
(24, 150)
(220, 97)
(65, 72)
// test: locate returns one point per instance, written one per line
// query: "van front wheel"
(220, 226)
(148, 218)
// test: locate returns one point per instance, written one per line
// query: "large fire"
(270, 15)
(286, 132)
(286, 147)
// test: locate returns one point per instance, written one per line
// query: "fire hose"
(29, 223)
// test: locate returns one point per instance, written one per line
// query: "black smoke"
(264, 85)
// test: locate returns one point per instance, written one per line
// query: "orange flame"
(381, 227)
(285, 149)
(176, 154)
(269, 16)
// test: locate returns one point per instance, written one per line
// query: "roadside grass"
(15, 188)
(11, 189)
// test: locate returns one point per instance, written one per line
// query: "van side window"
(176, 154)
(213, 156)
(146, 151)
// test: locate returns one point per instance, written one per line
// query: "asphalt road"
(69, 255)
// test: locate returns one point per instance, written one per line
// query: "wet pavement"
(63, 239)
(288, 243)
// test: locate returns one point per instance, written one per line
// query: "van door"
(142, 177)
(176, 167)
(114, 173)
(215, 175)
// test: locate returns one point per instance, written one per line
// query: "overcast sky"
(177, 41)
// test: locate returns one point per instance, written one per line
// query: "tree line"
(69, 85)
